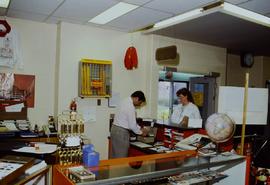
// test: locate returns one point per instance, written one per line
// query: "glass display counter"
(159, 169)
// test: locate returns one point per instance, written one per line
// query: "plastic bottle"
(90, 157)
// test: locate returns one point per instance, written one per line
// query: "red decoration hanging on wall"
(131, 58)
(6, 29)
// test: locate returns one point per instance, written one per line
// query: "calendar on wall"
(95, 78)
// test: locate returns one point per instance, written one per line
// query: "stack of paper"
(36, 167)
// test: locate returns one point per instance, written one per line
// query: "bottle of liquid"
(73, 110)
(73, 105)
(36, 129)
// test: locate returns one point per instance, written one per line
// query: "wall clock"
(247, 60)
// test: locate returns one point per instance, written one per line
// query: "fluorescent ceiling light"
(4, 3)
(179, 18)
(245, 14)
(115, 11)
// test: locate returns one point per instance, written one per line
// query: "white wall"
(236, 73)
(88, 42)
(38, 42)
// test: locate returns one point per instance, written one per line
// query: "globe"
(219, 127)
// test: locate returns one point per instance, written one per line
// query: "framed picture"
(18, 87)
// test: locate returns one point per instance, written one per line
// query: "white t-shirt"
(125, 116)
(190, 110)
(10, 50)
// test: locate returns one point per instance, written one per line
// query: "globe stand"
(218, 148)
(220, 128)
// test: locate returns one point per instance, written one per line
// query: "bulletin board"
(231, 102)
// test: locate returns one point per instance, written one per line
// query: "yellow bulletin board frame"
(95, 78)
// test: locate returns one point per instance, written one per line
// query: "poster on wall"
(18, 87)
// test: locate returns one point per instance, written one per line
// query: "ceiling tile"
(83, 10)
(26, 15)
(235, 2)
(52, 20)
(35, 6)
(177, 6)
(56, 20)
(137, 2)
(138, 19)
(80, 11)
(107, 27)
(259, 6)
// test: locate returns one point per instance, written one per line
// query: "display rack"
(70, 132)
(95, 78)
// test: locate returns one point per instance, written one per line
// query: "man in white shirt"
(186, 109)
(124, 121)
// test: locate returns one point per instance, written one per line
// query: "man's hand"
(145, 131)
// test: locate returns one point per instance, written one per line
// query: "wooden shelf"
(22, 115)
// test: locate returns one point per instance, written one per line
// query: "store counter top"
(148, 168)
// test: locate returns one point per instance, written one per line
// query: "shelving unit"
(21, 115)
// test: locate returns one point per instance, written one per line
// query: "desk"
(20, 170)
(37, 176)
(8, 144)
(52, 140)
(160, 136)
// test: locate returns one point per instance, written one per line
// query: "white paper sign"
(89, 114)
(231, 102)
(14, 108)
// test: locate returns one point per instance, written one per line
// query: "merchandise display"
(70, 131)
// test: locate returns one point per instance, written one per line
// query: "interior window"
(167, 89)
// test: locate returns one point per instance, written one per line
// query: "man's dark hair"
(185, 92)
(139, 95)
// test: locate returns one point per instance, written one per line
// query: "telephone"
(49, 129)
(8, 125)
(193, 142)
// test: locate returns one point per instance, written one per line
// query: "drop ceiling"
(215, 29)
